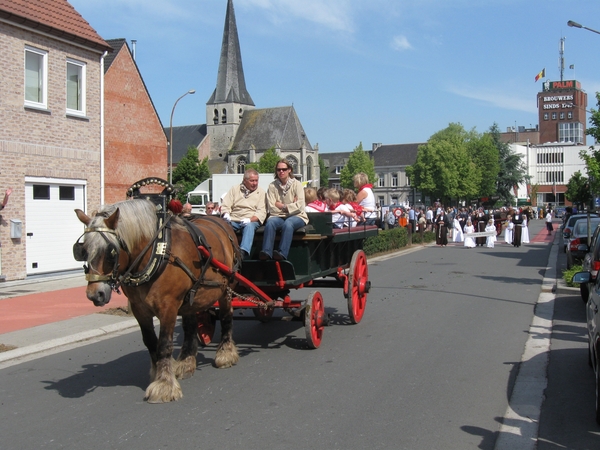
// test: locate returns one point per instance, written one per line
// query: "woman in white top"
(508, 232)
(365, 197)
(457, 235)
(469, 228)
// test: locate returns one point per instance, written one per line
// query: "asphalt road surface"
(431, 366)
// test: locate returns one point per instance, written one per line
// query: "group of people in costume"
(461, 224)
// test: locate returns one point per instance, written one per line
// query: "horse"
(160, 268)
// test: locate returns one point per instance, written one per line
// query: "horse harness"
(161, 256)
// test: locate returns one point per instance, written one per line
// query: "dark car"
(577, 244)
(591, 264)
(593, 328)
(568, 227)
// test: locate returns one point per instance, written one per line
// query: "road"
(431, 366)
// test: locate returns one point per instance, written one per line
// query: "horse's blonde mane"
(137, 222)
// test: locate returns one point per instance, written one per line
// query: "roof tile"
(56, 17)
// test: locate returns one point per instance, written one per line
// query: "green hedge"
(389, 240)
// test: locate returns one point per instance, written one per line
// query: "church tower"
(229, 101)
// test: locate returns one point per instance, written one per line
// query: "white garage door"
(51, 224)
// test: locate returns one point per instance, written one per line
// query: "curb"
(104, 331)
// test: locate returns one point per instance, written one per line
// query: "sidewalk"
(42, 313)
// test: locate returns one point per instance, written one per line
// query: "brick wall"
(43, 143)
(135, 144)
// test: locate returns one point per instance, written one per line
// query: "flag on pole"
(542, 74)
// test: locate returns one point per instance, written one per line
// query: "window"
(407, 181)
(36, 78)
(381, 180)
(41, 192)
(66, 192)
(224, 116)
(241, 164)
(562, 115)
(394, 180)
(309, 169)
(569, 115)
(570, 132)
(380, 200)
(75, 87)
(553, 116)
(294, 163)
(546, 116)
(216, 117)
(338, 169)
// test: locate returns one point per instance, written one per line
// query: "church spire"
(231, 85)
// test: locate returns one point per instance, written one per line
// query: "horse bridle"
(80, 254)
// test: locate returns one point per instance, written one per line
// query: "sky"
(362, 71)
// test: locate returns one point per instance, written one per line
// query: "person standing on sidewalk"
(549, 221)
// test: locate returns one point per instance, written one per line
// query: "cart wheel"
(358, 286)
(206, 327)
(314, 319)
(263, 315)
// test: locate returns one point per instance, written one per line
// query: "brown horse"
(157, 264)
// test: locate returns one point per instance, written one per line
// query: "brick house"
(50, 139)
(135, 144)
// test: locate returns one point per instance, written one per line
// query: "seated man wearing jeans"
(244, 207)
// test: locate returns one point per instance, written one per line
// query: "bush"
(568, 275)
(386, 240)
(428, 236)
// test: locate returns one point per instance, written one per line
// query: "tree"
(323, 173)
(359, 161)
(444, 168)
(267, 162)
(189, 173)
(592, 158)
(578, 190)
(512, 168)
(484, 154)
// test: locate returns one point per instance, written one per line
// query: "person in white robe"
(457, 236)
(469, 228)
(508, 232)
(490, 239)
(525, 230)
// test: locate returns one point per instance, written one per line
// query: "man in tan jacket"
(244, 207)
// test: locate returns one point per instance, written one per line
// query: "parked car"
(593, 329)
(568, 227)
(591, 264)
(577, 244)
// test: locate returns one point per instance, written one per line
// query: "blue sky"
(389, 71)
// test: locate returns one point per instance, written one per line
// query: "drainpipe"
(102, 128)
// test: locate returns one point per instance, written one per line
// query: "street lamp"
(191, 91)
(578, 25)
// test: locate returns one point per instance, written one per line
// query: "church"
(236, 132)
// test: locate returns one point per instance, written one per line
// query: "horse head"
(101, 249)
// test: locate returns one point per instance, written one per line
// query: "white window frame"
(394, 180)
(42, 78)
(81, 88)
(381, 180)
(338, 169)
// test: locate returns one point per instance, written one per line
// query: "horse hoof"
(163, 392)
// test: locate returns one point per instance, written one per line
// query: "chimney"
(133, 42)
